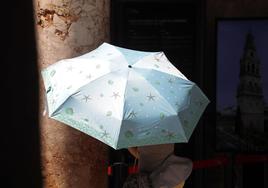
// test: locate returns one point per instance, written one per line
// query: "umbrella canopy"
(124, 97)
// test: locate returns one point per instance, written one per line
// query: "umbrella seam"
(152, 68)
(118, 134)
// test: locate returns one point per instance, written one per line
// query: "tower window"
(257, 70)
(250, 86)
(256, 87)
(252, 69)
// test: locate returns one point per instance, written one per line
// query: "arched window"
(250, 86)
(252, 69)
(257, 70)
(248, 67)
(256, 87)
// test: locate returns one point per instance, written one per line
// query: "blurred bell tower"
(250, 99)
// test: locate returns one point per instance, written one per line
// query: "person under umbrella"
(158, 168)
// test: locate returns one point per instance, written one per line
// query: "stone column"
(65, 29)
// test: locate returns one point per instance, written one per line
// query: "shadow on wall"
(19, 128)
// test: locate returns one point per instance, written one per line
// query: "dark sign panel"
(168, 27)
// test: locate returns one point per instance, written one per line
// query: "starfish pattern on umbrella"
(151, 97)
(86, 98)
(115, 95)
(132, 115)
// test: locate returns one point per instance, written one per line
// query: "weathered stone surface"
(64, 29)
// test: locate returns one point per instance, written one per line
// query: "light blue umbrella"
(124, 97)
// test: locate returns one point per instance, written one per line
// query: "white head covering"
(165, 169)
(171, 172)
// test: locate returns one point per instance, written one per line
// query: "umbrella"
(124, 97)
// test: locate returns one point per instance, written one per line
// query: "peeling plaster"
(61, 17)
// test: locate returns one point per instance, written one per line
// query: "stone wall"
(65, 29)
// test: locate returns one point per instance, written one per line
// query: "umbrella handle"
(134, 152)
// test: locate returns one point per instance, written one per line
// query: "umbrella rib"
(150, 68)
(183, 134)
(118, 134)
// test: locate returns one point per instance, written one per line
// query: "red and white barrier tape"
(218, 161)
